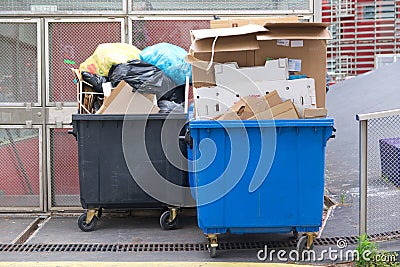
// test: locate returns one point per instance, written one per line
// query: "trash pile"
(259, 72)
(119, 78)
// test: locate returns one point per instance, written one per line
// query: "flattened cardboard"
(211, 33)
(313, 61)
(295, 31)
(123, 101)
(237, 22)
(228, 43)
(309, 113)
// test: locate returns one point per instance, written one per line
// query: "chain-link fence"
(70, 44)
(383, 161)
(20, 167)
(63, 169)
(18, 63)
(55, 6)
(177, 32)
(221, 5)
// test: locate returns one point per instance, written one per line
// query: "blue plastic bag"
(170, 59)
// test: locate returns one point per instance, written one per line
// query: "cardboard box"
(250, 45)
(237, 22)
(285, 110)
(123, 101)
(247, 106)
(314, 113)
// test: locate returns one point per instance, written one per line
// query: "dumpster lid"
(262, 123)
(120, 117)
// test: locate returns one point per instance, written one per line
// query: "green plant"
(342, 198)
(369, 255)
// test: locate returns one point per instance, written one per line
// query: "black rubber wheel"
(84, 226)
(213, 251)
(302, 246)
(164, 221)
(100, 213)
(295, 234)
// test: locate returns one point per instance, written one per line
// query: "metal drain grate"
(153, 247)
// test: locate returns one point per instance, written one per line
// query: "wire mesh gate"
(379, 171)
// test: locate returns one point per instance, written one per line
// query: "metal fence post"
(363, 176)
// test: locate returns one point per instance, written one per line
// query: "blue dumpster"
(258, 176)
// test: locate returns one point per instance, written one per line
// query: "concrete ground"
(128, 229)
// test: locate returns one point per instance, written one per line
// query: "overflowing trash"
(159, 70)
(170, 59)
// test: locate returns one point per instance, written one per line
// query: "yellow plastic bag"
(107, 55)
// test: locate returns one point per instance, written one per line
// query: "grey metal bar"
(376, 115)
(43, 144)
(363, 176)
(20, 164)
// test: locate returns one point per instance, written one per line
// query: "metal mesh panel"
(18, 63)
(54, 6)
(19, 172)
(70, 44)
(63, 169)
(383, 161)
(150, 32)
(224, 5)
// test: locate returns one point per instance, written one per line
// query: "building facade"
(366, 35)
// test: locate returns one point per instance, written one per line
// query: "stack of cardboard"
(297, 47)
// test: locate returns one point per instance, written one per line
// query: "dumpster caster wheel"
(213, 251)
(100, 213)
(305, 243)
(212, 244)
(295, 234)
(84, 226)
(166, 223)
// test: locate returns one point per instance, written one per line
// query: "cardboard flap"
(275, 25)
(226, 44)
(201, 64)
(221, 32)
(237, 22)
(316, 31)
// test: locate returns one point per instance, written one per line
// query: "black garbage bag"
(167, 106)
(95, 80)
(177, 94)
(144, 78)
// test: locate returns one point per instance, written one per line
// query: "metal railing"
(379, 144)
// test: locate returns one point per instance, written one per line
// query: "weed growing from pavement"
(375, 258)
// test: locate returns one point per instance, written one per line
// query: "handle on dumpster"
(188, 138)
(333, 135)
(73, 133)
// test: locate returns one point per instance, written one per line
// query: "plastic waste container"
(119, 154)
(259, 176)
